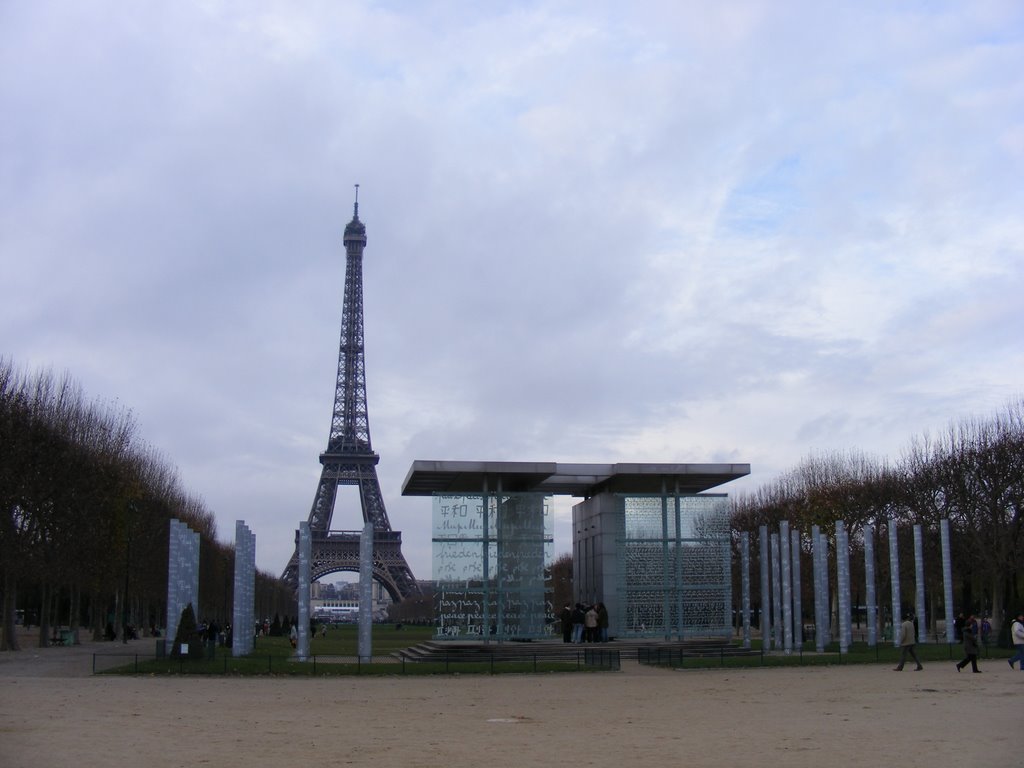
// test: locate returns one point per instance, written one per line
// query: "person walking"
(970, 635)
(1017, 638)
(907, 645)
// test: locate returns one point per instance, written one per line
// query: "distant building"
(343, 604)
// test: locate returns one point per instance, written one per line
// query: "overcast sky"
(597, 232)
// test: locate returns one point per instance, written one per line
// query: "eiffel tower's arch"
(338, 552)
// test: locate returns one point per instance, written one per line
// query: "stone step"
(469, 650)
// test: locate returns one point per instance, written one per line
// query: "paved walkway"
(65, 661)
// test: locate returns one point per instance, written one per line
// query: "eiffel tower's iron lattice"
(349, 458)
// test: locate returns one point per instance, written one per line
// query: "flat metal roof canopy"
(585, 480)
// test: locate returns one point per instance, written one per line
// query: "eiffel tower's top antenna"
(356, 228)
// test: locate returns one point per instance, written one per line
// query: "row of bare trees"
(971, 474)
(85, 507)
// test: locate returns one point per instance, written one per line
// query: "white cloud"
(609, 233)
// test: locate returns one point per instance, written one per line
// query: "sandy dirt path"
(835, 716)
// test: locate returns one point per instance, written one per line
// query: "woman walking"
(970, 634)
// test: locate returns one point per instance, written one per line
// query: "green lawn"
(332, 655)
(335, 655)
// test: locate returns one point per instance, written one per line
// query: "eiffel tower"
(349, 458)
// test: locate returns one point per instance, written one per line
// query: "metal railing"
(833, 654)
(150, 663)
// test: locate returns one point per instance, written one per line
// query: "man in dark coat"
(577, 623)
(970, 634)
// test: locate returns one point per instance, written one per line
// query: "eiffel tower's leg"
(319, 519)
(372, 500)
(323, 503)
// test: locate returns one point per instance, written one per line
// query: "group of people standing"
(983, 629)
(584, 623)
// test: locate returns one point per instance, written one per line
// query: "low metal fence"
(225, 664)
(833, 654)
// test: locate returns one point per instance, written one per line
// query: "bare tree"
(972, 474)
(84, 513)
(561, 582)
